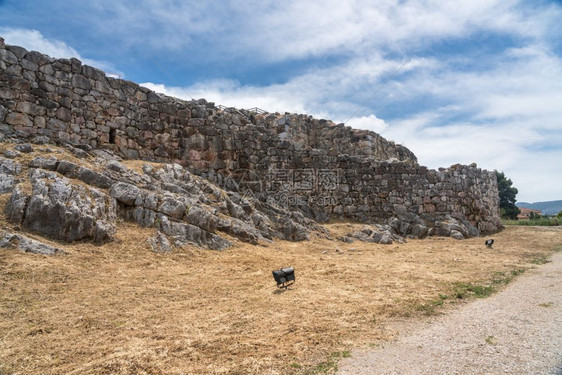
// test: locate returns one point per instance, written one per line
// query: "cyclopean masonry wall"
(366, 190)
(328, 171)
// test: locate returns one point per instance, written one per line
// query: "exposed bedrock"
(75, 201)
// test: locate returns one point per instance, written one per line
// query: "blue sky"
(466, 81)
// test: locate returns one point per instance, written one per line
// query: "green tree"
(560, 215)
(507, 194)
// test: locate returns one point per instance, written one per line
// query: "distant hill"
(547, 208)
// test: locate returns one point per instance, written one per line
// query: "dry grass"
(122, 309)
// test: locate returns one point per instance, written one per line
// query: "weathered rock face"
(160, 243)
(189, 208)
(294, 161)
(58, 209)
(8, 170)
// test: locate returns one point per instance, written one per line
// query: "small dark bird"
(489, 243)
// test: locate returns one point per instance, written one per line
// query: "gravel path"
(517, 331)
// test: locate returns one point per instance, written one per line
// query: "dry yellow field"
(122, 309)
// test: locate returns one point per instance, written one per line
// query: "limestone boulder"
(24, 243)
(378, 233)
(7, 183)
(183, 234)
(239, 229)
(457, 235)
(125, 193)
(172, 207)
(94, 178)
(56, 208)
(419, 230)
(160, 243)
(453, 227)
(9, 166)
(201, 218)
(48, 163)
(293, 231)
(24, 147)
(8, 171)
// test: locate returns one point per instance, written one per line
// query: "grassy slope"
(122, 309)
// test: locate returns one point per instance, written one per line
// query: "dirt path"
(517, 331)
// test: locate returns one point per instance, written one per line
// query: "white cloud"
(154, 24)
(370, 122)
(327, 93)
(33, 40)
(538, 176)
(295, 29)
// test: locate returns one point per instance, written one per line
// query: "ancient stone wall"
(328, 171)
(366, 190)
(69, 102)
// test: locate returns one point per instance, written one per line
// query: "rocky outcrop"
(457, 228)
(74, 201)
(24, 243)
(378, 233)
(56, 208)
(160, 243)
(8, 170)
(414, 226)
